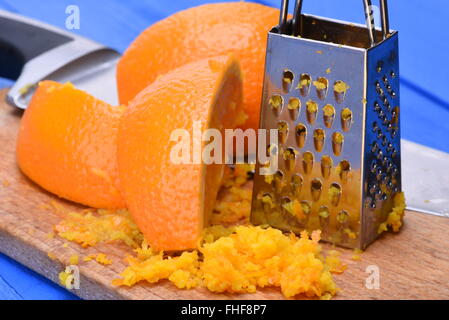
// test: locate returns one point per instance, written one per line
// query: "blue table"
(424, 72)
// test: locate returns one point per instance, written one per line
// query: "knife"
(32, 51)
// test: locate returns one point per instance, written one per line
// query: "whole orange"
(201, 32)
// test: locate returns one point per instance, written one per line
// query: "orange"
(67, 144)
(197, 33)
(170, 201)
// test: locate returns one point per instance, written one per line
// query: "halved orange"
(171, 201)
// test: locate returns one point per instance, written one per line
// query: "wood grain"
(413, 264)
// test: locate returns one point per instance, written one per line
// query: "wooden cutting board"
(413, 264)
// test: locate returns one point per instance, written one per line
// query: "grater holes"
(311, 111)
(296, 184)
(342, 217)
(380, 66)
(267, 201)
(284, 204)
(304, 84)
(306, 207)
(272, 150)
(392, 74)
(290, 158)
(278, 181)
(318, 139)
(315, 188)
(301, 134)
(377, 107)
(294, 106)
(326, 166)
(282, 131)
(276, 103)
(337, 143)
(346, 119)
(334, 194)
(287, 80)
(328, 115)
(340, 89)
(307, 162)
(343, 169)
(395, 115)
(321, 86)
(323, 213)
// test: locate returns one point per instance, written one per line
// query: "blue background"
(423, 57)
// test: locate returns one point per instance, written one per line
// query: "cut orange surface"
(197, 33)
(67, 145)
(170, 201)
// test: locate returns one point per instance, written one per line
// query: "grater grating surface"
(333, 95)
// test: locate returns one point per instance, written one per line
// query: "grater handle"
(385, 18)
(283, 16)
(369, 17)
(297, 19)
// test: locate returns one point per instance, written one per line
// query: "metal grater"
(332, 91)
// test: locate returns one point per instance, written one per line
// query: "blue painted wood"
(424, 69)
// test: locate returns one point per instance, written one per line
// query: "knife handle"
(32, 51)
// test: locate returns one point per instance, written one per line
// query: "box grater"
(332, 91)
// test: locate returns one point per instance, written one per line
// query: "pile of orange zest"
(247, 259)
(396, 216)
(93, 226)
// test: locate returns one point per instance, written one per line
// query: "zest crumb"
(275, 102)
(90, 257)
(74, 259)
(63, 276)
(346, 114)
(6, 183)
(320, 85)
(312, 106)
(356, 255)
(65, 245)
(103, 259)
(328, 70)
(51, 255)
(341, 87)
(319, 52)
(328, 110)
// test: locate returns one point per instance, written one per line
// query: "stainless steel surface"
(88, 65)
(332, 163)
(425, 178)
